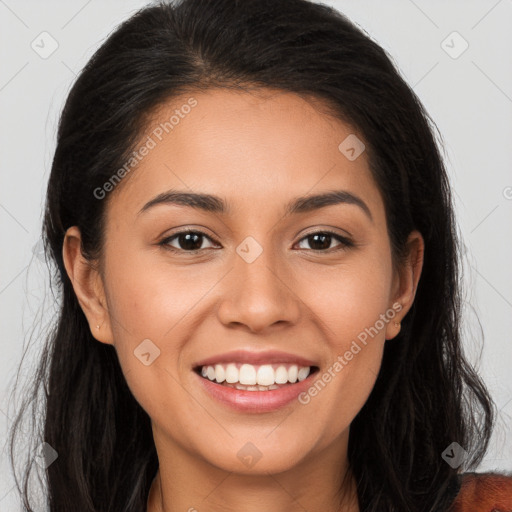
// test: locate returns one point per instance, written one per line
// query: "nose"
(258, 295)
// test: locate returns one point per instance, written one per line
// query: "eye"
(192, 241)
(188, 241)
(322, 240)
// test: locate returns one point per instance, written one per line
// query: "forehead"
(253, 148)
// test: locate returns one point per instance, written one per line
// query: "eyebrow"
(215, 204)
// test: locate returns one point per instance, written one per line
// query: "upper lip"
(255, 358)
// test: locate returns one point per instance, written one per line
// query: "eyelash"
(345, 243)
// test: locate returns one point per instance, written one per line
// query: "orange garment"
(484, 492)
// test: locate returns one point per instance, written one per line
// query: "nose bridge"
(256, 295)
(253, 266)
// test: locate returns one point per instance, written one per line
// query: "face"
(274, 289)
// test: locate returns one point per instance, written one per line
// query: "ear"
(88, 286)
(405, 282)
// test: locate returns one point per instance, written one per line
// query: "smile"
(250, 377)
(254, 388)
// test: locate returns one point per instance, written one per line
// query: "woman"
(308, 357)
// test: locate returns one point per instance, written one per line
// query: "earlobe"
(87, 285)
(394, 327)
(406, 281)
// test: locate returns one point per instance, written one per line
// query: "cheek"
(352, 306)
(350, 297)
(341, 389)
(145, 306)
(153, 306)
(149, 297)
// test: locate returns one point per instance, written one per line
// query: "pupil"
(189, 243)
(323, 246)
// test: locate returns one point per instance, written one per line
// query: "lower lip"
(256, 401)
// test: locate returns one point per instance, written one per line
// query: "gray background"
(468, 95)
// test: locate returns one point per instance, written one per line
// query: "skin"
(257, 150)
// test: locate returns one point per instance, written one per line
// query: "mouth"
(255, 389)
(255, 378)
(255, 382)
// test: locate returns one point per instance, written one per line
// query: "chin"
(257, 455)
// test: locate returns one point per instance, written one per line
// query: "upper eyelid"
(167, 239)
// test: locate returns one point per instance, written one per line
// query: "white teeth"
(254, 378)
(247, 374)
(281, 375)
(252, 388)
(220, 374)
(303, 373)
(265, 375)
(231, 373)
